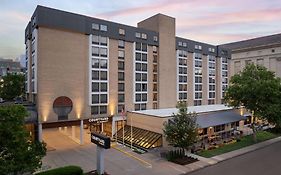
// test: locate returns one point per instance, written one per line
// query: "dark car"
(18, 100)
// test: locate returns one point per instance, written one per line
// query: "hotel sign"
(100, 140)
(98, 120)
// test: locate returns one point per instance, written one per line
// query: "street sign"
(98, 120)
(100, 140)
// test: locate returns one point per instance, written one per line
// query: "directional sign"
(100, 140)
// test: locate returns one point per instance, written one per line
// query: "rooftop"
(170, 111)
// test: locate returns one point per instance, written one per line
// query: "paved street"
(265, 161)
(64, 151)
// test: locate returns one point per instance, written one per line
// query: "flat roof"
(170, 111)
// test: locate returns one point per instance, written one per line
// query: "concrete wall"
(62, 71)
(167, 66)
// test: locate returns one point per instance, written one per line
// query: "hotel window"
(211, 102)
(197, 102)
(184, 44)
(103, 109)
(155, 68)
(154, 48)
(154, 96)
(103, 63)
(198, 47)
(154, 87)
(211, 50)
(95, 39)
(121, 87)
(154, 77)
(224, 60)
(121, 76)
(138, 35)
(95, 26)
(95, 51)
(103, 27)
(103, 41)
(33, 21)
(95, 75)
(103, 75)
(212, 80)
(121, 65)
(95, 87)
(121, 108)
(121, 98)
(121, 43)
(103, 87)
(198, 87)
(103, 98)
(103, 52)
(180, 43)
(95, 110)
(144, 47)
(155, 105)
(121, 54)
(155, 38)
(143, 36)
(121, 31)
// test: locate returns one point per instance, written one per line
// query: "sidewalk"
(204, 162)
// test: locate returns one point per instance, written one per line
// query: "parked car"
(1, 100)
(18, 100)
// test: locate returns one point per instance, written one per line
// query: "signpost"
(102, 142)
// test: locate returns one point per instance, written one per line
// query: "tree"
(181, 130)
(11, 86)
(18, 154)
(256, 89)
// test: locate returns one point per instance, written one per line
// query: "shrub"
(67, 170)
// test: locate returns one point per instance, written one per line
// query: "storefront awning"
(218, 118)
(142, 138)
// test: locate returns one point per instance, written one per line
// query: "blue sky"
(211, 21)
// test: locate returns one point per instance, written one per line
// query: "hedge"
(67, 170)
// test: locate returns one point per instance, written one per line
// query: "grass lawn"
(245, 141)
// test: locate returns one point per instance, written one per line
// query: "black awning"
(141, 138)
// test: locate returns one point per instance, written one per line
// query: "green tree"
(181, 130)
(11, 86)
(256, 89)
(18, 154)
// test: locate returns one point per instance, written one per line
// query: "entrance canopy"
(218, 118)
(141, 138)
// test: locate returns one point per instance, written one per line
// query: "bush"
(67, 170)
(174, 154)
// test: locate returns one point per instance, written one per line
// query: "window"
(143, 36)
(144, 57)
(154, 58)
(224, 60)
(198, 95)
(103, 41)
(154, 96)
(95, 87)
(212, 94)
(197, 102)
(121, 108)
(212, 72)
(138, 46)
(121, 54)
(95, 75)
(95, 51)
(103, 27)
(154, 77)
(121, 98)
(212, 87)
(138, 35)
(211, 102)
(155, 38)
(138, 56)
(103, 87)
(184, 44)
(198, 79)
(95, 98)
(144, 67)
(95, 63)
(95, 39)
(198, 63)
(211, 49)
(154, 87)
(121, 87)
(154, 68)
(144, 47)
(212, 65)
(103, 75)
(103, 98)
(121, 31)
(154, 48)
(103, 52)
(121, 65)
(121, 43)
(138, 76)
(103, 109)
(198, 47)
(103, 64)
(121, 76)
(95, 26)
(180, 43)
(212, 80)
(198, 87)
(95, 110)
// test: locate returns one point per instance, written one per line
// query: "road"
(265, 161)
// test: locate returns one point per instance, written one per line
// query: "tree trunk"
(254, 129)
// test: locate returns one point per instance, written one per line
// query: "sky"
(211, 21)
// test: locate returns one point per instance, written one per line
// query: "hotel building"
(81, 68)
(265, 51)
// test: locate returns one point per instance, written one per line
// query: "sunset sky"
(210, 21)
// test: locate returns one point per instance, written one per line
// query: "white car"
(1, 100)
